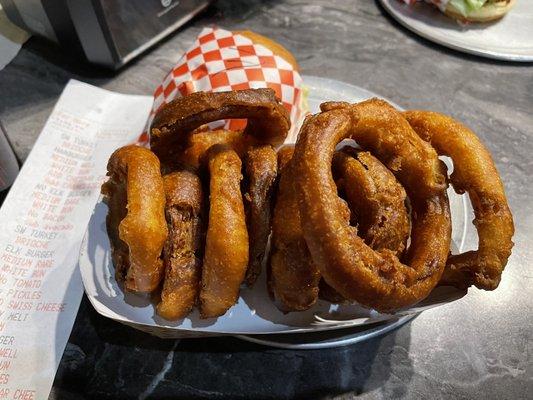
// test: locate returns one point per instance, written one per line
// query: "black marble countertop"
(477, 347)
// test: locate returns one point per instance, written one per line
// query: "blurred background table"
(478, 347)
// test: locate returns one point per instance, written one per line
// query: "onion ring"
(135, 222)
(261, 169)
(375, 198)
(268, 120)
(376, 201)
(475, 173)
(182, 251)
(369, 186)
(374, 279)
(415, 164)
(226, 248)
(294, 278)
(192, 152)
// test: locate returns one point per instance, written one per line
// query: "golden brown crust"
(136, 222)
(261, 169)
(383, 219)
(294, 278)
(268, 120)
(193, 151)
(382, 131)
(226, 248)
(376, 200)
(475, 173)
(376, 280)
(182, 251)
(377, 204)
(285, 154)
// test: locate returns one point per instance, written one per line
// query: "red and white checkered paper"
(219, 61)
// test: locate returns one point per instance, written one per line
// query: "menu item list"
(44, 218)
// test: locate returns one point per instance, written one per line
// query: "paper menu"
(43, 221)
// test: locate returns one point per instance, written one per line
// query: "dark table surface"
(477, 347)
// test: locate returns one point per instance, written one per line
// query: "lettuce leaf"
(467, 6)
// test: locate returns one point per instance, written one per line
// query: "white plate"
(510, 38)
(254, 313)
(328, 339)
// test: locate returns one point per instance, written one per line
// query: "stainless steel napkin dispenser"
(108, 32)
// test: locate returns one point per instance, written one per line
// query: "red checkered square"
(158, 92)
(236, 124)
(169, 89)
(267, 61)
(226, 42)
(287, 77)
(180, 70)
(246, 50)
(240, 86)
(206, 38)
(254, 74)
(193, 53)
(219, 79)
(233, 63)
(199, 72)
(213, 55)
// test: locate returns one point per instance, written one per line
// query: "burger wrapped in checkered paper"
(220, 60)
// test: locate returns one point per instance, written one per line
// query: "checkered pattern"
(221, 61)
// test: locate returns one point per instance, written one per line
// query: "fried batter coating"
(193, 150)
(415, 164)
(375, 198)
(475, 173)
(294, 278)
(376, 201)
(268, 120)
(183, 247)
(261, 169)
(353, 269)
(226, 248)
(285, 154)
(136, 221)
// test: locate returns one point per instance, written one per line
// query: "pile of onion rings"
(213, 193)
(190, 219)
(362, 259)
